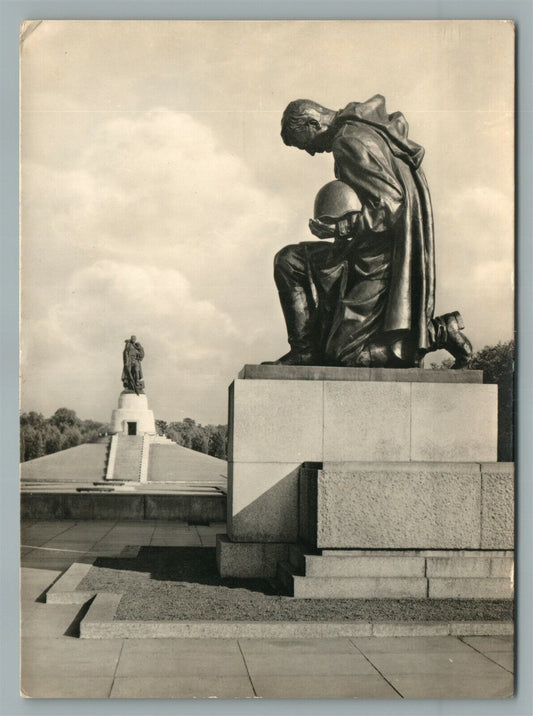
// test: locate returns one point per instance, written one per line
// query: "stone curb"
(64, 590)
(99, 624)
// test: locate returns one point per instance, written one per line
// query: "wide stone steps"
(128, 457)
(397, 574)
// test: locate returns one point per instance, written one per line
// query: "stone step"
(465, 588)
(357, 566)
(304, 587)
(128, 458)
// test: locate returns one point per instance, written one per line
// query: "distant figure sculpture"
(367, 298)
(132, 374)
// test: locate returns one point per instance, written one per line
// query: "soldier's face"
(309, 137)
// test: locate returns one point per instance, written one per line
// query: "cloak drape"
(384, 278)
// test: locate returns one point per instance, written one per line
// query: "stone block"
(502, 567)
(497, 496)
(464, 588)
(453, 422)
(356, 566)
(366, 421)
(398, 375)
(276, 421)
(453, 566)
(360, 587)
(482, 628)
(249, 559)
(194, 509)
(263, 501)
(396, 506)
(418, 629)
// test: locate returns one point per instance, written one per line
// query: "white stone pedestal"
(132, 417)
(282, 416)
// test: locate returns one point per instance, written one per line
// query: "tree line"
(209, 439)
(42, 436)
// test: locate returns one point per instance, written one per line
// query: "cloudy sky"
(156, 190)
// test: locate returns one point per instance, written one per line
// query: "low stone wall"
(194, 509)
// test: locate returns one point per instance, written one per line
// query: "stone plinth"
(132, 416)
(397, 574)
(446, 506)
(282, 416)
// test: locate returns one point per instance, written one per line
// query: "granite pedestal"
(408, 448)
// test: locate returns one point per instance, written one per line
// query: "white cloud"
(153, 229)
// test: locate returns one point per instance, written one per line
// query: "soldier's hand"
(321, 230)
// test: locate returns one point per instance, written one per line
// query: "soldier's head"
(305, 125)
(133, 339)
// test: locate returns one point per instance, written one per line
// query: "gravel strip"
(182, 583)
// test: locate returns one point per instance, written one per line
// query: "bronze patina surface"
(366, 298)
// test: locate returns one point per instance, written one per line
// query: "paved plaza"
(57, 664)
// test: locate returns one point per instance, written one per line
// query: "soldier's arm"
(378, 189)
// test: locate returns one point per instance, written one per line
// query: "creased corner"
(27, 28)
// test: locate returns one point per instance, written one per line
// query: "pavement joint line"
(486, 656)
(247, 669)
(376, 668)
(56, 549)
(115, 670)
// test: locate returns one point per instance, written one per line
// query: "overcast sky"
(156, 190)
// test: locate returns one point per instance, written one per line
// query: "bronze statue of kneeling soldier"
(367, 297)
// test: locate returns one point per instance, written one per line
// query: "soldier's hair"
(295, 117)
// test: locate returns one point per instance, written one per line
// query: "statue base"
(341, 462)
(132, 417)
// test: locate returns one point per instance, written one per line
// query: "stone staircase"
(396, 574)
(128, 457)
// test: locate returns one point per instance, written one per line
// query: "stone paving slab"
(182, 687)
(403, 644)
(274, 647)
(69, 657)
(34, 581)
(176, 660)
(44, 620)
(361, 686)
(66, 687)
(457, 686)
(446, 664)
(503, 658)
(492, 643)
(294, 663)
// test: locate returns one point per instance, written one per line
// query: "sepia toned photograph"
(267, 344)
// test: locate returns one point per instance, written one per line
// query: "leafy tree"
(161, 427)
(199, 441)
(71, 438)
(497, 364)
(64, 418)
(53, 440)
(33, 443)
(217, 445)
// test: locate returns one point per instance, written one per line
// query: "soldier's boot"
(300, 319)
(447, 334)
